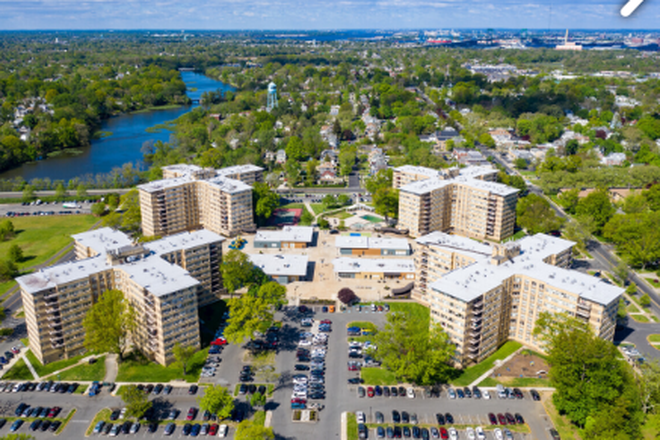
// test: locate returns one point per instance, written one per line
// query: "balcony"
(50, 310)
(475, 342)
(55, 317)
(472, 355)
(56, 333)
(55, 324)
(583, 314)
(473, 349)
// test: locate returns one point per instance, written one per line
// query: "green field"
(351, 427)
(416, 311)
(653, 283)
(137, 369)
(378, 376)
(45, 370)
(85, 371)
(317, 208)
(639, 318)
(341, 215)
(516, 382)
(471, 374)
(632, 308)
(41, 237)
(19, 371)
(4, 287)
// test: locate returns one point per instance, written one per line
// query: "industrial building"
(483, 295)
(374, 268)
(191, 197)
(296, 237)
(460, 201)
(284, 269)
(165, 281)
(363, 245)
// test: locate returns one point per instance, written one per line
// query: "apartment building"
(484, 295)
(156, 279)
(462, 201)
(374, 268)
(190, 197)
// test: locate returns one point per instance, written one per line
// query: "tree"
(414, 352)
(598, 207)
(264, 200)
(6, 230)
(98, 209)
(294, 149)
(15, 253)
(251, 310)
(258, 399)
(112, 220)
(589, 379)
(109, 323)
(621, 271)
(60, 191)
(645, 300)
(81, 191)
(574, 232)
(520, 163)
(113, 201)
(217, 400)
(310, 169)
(237, 270)
(330, 201)
(28, 193)
(249, 430)
(183, 354)
(131, 219)
(535, 215)
(347, 296)
(8, 270)
(487, 140)
(292, 170)
(382, 179)
(571, 147)
(386, 202)
(137, 402)
(569, 200)
(343, 199)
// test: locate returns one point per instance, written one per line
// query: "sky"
(323, 14)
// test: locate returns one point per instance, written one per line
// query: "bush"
(6, 331)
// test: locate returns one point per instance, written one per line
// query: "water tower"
(272, 96)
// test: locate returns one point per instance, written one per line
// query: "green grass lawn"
(86, 371)
(137, 369)
(416, 311)
(4, 287)
(639, 318)
(341, 215)
(293, 206)
(472, 373)
(351, 427)
(654, 338)
(378, 376)
(19, 371)
(45, 370)
(567, 431)
(317, 208)
(653, 283)
(516, 382)
(362, 324)
(259, 418)
(41, 237)
(632, 308)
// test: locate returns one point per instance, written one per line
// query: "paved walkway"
(29, 365)
(111, 368)
(487, 374)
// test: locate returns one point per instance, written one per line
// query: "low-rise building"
(484, 295)
(288, 237)
(284, 269)
(165, 281)
(374, 268)
(363, 245)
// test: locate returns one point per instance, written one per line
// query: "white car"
(481, 435)
(300, 378)
(410, 392)
(470, 433)
(498, 434)
(453, 434)
(359, 415)
(299, 395)
(485, 394)
(16, 388)
(222, 431)
(304, 343)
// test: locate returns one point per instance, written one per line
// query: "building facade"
(363, 245)
(484, 295)
(374, 268)
(191, 197)
(465, 202)
(284, 269)
(295, 237)
(156, 279)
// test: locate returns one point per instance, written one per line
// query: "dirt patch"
(524, 364)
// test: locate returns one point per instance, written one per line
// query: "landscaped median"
(136, 368)
(65, 422)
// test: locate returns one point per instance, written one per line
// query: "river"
(129, 133)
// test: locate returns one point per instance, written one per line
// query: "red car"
(219, 341)
(492, 418)
(296, 400)
(326, 321)
(353, 367)
(54, 411)
(15, 350)
(443, 433)
(213, 429)
(370, 391)
(501, 418)
(192, 412)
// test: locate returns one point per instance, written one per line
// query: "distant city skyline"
(321, 15)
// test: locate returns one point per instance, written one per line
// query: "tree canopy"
(109, 323)
(535, 215)
(217, 400)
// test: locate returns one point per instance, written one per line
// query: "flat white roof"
(457, 243)
(184, 168)
(373, 265)
(424, 171)
(363, 242)
(296, 234)
(470, 282)
(50, 277)
(103, 239)
(238, 169)
(230, 186)
(158, 185)
(476, 171)
(493, 187)
(158, 276)
(425, 186)
(281, 265)
(184, 240)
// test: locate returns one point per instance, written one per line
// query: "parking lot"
(53, 208)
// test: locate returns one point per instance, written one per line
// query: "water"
(123, 146)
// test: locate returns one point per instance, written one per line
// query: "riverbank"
(157, 108)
